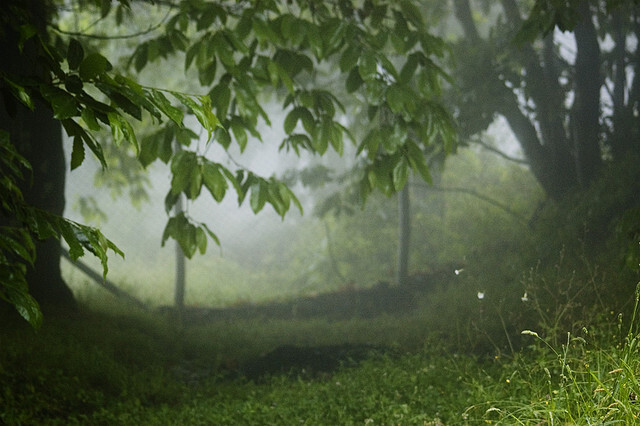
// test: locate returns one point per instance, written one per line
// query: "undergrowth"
(511, 340)
(99, 369)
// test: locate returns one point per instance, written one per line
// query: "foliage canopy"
(381, 52)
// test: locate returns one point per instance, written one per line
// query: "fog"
(260, 254)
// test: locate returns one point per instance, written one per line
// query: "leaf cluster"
(27, 225)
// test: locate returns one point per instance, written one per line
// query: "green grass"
(458, 359)
(137, 368)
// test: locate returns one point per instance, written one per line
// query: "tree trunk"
(404, 233)
(38, 137)
(586, 107)
(562, 146)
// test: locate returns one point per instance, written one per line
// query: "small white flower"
(481, 295)
(525, 298)
(458, 271)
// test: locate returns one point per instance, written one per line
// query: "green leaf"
(73, 129)
(321, 135)
(277, 73)
(126, 104)
(105, 8)
(400, 174)
(27, 32)
(73, 84)
(93, 65)
(409, 68)
(314, 37)
(64, 105)
(141, 56)
(25, 304)
(234, 181)
(223, 137)
(336, 139)
(349, 57)
(118, 127)
(354, 81)
(213, 180)
(412, 13)
(191, 53)
(77, 154)
(19, 242)
(368, 66)
(371, 142)
(202, 111)
(213, 236)
(237, 127)
(157, 145)
(75, 54)
(187, 177)
(221, 97)
(396, 98)
(20, 93)
(258, 198)
(417, 161)
(201, 240)
(183, 231)
(160, 100)
(299, 113)
(70, 237)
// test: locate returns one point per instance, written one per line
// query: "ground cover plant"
(106, 365)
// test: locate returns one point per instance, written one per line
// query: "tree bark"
(38, 137)
(586, 107)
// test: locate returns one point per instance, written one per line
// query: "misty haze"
(323, 213)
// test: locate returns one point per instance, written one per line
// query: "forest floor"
(423, 354)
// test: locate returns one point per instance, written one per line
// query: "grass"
(104, 368)
(550, 343)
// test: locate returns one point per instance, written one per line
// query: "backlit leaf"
(75, 54)
(64, 105)
(93, 65)
(77, 153)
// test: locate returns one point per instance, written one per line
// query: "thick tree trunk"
(561, 158)
(38, 137)
(40, 141)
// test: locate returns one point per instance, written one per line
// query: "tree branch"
(112, 37)
(498, 152)
(476, 194)
(464, 16)
(512, 11)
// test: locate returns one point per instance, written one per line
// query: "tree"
(380, 50)
(571, 96)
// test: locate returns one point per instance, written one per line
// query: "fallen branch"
(106, 284)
